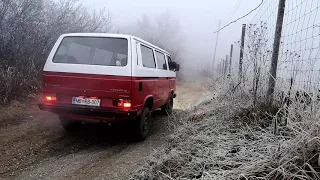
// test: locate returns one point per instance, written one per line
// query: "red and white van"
(107, 77)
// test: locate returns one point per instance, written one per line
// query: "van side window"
(161, 61)
(169, 63)
(147, 57)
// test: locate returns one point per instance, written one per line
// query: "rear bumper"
(85, 113)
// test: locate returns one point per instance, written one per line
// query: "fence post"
(230, 63)
(222, 66)
(226, 65)
(275, 51)
(241, 52)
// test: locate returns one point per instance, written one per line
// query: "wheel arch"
(173, 94)
(148, 102)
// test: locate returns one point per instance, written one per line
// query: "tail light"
(50, 98)
(126, 103)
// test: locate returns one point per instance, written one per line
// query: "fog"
(198, 21)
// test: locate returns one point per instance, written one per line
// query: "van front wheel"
(143, 123)
(69, 124)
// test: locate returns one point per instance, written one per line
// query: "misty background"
(194, 23)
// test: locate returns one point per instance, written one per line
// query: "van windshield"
(104, 51)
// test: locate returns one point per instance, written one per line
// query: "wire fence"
(299, 56)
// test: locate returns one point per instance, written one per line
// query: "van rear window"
(104, 51)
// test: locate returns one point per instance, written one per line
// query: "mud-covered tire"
(69, 124)
(143, 124)
(168, 107)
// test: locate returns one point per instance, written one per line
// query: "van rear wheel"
(143, 124)
(168, 107)
(69, 124)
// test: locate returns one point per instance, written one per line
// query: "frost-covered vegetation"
(230, 138)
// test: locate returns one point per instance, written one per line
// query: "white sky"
(198, 20)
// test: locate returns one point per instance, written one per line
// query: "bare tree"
(163, 31)
(28, 30)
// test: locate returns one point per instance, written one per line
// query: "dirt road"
(36, 147)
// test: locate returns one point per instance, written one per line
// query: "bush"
(14, 84)
(28, 30)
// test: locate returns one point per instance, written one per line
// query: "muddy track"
(36, 147)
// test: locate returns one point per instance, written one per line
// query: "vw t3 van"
(108, 77)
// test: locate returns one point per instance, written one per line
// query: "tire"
(168, 107)
(70, 125)
(143, 124)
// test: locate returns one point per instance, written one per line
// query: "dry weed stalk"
(230, 138)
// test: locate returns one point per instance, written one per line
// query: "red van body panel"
(67, 85)
(144, 87)
(105, 87)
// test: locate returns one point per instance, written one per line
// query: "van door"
(163, 76)
(145, 77)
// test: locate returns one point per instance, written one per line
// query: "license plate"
(86, 101)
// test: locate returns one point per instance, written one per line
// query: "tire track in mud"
(38, 148)
(94, 151)
(42, 149)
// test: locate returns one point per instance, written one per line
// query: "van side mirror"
(177, 67)
(174, 66)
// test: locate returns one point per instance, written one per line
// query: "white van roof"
(115, 36)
